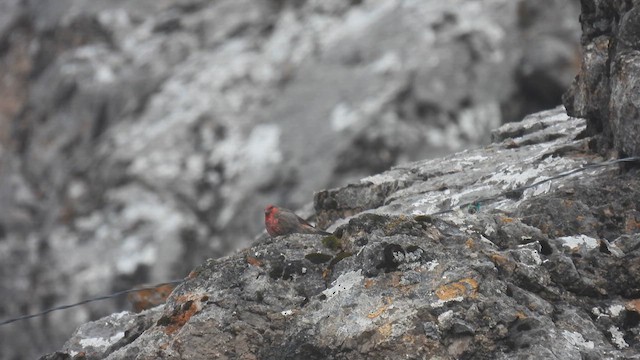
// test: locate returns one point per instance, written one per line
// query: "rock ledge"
(552, 271)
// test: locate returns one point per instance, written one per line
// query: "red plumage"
(280, 221)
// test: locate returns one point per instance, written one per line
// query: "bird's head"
(270, 209)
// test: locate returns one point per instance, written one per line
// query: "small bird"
(279, 221)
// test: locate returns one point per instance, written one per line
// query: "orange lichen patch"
(254, 261)
(507, 220)
(185, 307)
(180, 318)
(633, 305)
(499, 259)
(470, 243)
(148, 298)
(368, 283)
(381, 309)
(466, 287)
(520, 315)
(192, 275)
(631, 225)
(326, 273)
(502, 261)
(385, 330)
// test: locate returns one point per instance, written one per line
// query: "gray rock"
(605, 92)
(403, 282)
(139, 138)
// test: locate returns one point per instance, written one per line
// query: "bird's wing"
(303, 221)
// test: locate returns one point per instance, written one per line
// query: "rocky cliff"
(469, 256)
(522, 249)
(526, 248)
(139, 138)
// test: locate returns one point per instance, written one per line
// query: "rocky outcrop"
(547, 271)
(139, 138)
(606, 90)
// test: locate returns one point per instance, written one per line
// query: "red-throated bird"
(279, 221)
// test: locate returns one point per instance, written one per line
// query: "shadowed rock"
(606, 91)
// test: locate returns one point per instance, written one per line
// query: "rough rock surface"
(607, 89)
(549, 272)
(138, 138)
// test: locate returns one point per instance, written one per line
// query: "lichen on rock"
(542, 274)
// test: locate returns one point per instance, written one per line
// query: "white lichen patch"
(472, 194)
(540, 189)
(120, 315)
(431, 265)
(343, 283)
(383, 178)
(528, 256)
(445, 317)
(514, 177)
(615, 310)
(617, 337)
(440, 303)
(429, 203)
(101, 343)
(473, 159)
(425, 210)
(489, 230)
(577, 339)
(575, 242)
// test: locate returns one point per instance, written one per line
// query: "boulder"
(521, 249)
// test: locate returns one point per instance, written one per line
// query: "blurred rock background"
(138, 138)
